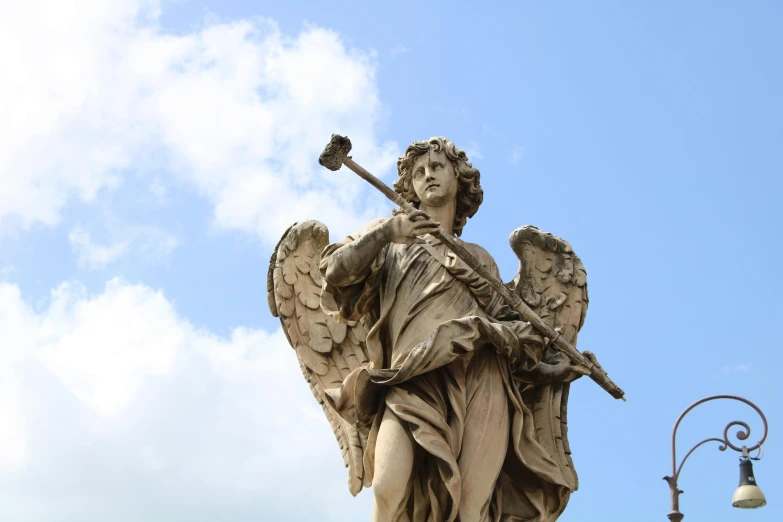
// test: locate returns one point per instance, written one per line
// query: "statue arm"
(351, 262)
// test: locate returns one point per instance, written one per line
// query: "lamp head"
(748, 495)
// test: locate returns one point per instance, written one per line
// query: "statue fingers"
(418, 215)
(425, 227)
(581, 370)
(575, 374)
(590, 356)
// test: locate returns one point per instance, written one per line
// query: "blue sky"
(152, 153)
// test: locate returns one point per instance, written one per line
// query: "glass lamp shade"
(748, 495)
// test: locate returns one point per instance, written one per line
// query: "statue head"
(469, 194)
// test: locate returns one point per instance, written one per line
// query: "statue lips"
(433, 194)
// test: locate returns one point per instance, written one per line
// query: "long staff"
(335, 155)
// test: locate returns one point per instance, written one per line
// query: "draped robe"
(444, 364)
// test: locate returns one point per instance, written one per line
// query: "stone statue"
(442, 399)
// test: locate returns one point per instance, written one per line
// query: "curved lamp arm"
(742, 434)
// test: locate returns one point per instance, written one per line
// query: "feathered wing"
(553, 282)
(327, 350)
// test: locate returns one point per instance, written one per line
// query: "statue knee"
(388, 495)
(471, 511)
(469, 515)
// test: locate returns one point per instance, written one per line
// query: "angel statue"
(441, 397)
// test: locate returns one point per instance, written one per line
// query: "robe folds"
(444, 363)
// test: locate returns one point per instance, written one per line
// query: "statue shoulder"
(483, 257)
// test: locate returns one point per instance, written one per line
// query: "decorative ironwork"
(742, 434)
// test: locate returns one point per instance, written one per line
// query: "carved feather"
(552, 280)
(327, 350)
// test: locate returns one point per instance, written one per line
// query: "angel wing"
(553, 282)
(327, 350)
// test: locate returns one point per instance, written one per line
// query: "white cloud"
(398, 50)
(159, 192)
(147, 243)
(112, 406)
(6, 271)
(152, 242)
(102, 348)
(517, 153)
(732, 369)
(91, 255)
(239, 110)
(473, 152)
(16, 324)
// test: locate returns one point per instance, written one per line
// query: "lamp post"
(748, 494)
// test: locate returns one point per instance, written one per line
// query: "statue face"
(434, 179)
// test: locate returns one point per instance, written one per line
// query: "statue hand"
(564, 370)
(507, 313)
(557, 368)
(405, 228)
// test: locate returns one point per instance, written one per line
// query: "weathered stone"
(442, 399)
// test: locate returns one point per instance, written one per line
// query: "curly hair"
(469, 195)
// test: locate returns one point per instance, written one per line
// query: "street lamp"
(748, 494)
